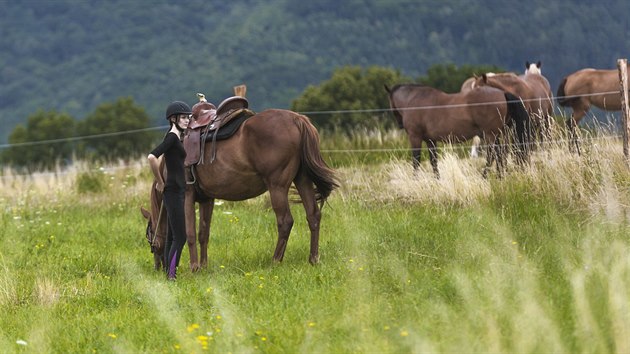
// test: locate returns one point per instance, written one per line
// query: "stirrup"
(192, 173)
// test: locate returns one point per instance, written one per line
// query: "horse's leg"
(205, 217)
(313, 215)
(434, 157)
(539, 135)
(579, 111)
(574, 145)
(280, 203)
(547, 126)
(416, 150)
(500, 156)
(191, 234)
(490, 155)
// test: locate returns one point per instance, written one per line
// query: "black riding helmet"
(177, 107)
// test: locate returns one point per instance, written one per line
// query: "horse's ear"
(527, 65)
(145, 213)
(484, 77)
(387, 88)
(539, 64)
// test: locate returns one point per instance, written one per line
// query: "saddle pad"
(229, 128)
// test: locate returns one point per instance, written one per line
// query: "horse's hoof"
(194, 267)
(313, 260)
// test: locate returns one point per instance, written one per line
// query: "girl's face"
(182, 120)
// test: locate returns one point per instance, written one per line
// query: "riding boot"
(171, 274)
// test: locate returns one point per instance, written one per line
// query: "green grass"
(535, 262)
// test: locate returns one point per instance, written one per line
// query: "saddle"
(213, 123)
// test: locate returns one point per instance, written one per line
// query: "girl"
(178, 114)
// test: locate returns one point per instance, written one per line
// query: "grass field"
(536, 262)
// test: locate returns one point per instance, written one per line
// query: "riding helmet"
(177, 107)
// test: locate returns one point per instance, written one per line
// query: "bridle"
(151, 236)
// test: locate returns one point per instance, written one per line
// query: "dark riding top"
(174, 156)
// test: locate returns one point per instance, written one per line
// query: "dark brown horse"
(430, 115)
(269, 152)
(532, 88)
(587, 87)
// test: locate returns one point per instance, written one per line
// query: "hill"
(72, 55)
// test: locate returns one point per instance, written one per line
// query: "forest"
(71, 56)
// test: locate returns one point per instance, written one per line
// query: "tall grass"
(534, 262)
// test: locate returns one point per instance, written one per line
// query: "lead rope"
(153, 246)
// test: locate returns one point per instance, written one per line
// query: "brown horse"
(269, 152)
(430, 115)
(587, 87)
(532, 88)
(157, 224)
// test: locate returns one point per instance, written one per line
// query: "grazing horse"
(268, 152)
(430, 116)
(157, 224)
(587, 87)
(532, 88)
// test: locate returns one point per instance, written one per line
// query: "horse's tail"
(522, 122)
(561, 95)
(313, 163)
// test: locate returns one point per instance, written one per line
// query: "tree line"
(49, 139)
(352, 98)
(74, 55)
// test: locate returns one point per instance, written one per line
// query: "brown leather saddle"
(212, 123)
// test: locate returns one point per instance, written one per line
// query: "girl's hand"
(159, 186)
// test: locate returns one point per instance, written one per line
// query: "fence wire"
(307, 113)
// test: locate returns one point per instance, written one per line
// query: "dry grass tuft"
(46, 292)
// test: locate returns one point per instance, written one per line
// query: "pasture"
(538, 261)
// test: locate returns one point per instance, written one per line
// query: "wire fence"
(308, 113)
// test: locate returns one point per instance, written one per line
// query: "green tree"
(353, 97)
(449, 78)
(115, 131)
(43, 143)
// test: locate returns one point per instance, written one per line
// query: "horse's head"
(531, 68)
(392, 105)
(468, 85)
(502, 81)
(481, 80)
(156, 227)
(150, 232)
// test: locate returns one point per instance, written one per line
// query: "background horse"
(532, 88)
(587, 87)
(157, 227)
(430, 115)
(533, 68)
(270, 151)
(468, 84)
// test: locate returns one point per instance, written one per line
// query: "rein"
(154, 236)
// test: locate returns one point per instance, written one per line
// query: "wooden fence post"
(622, 64)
